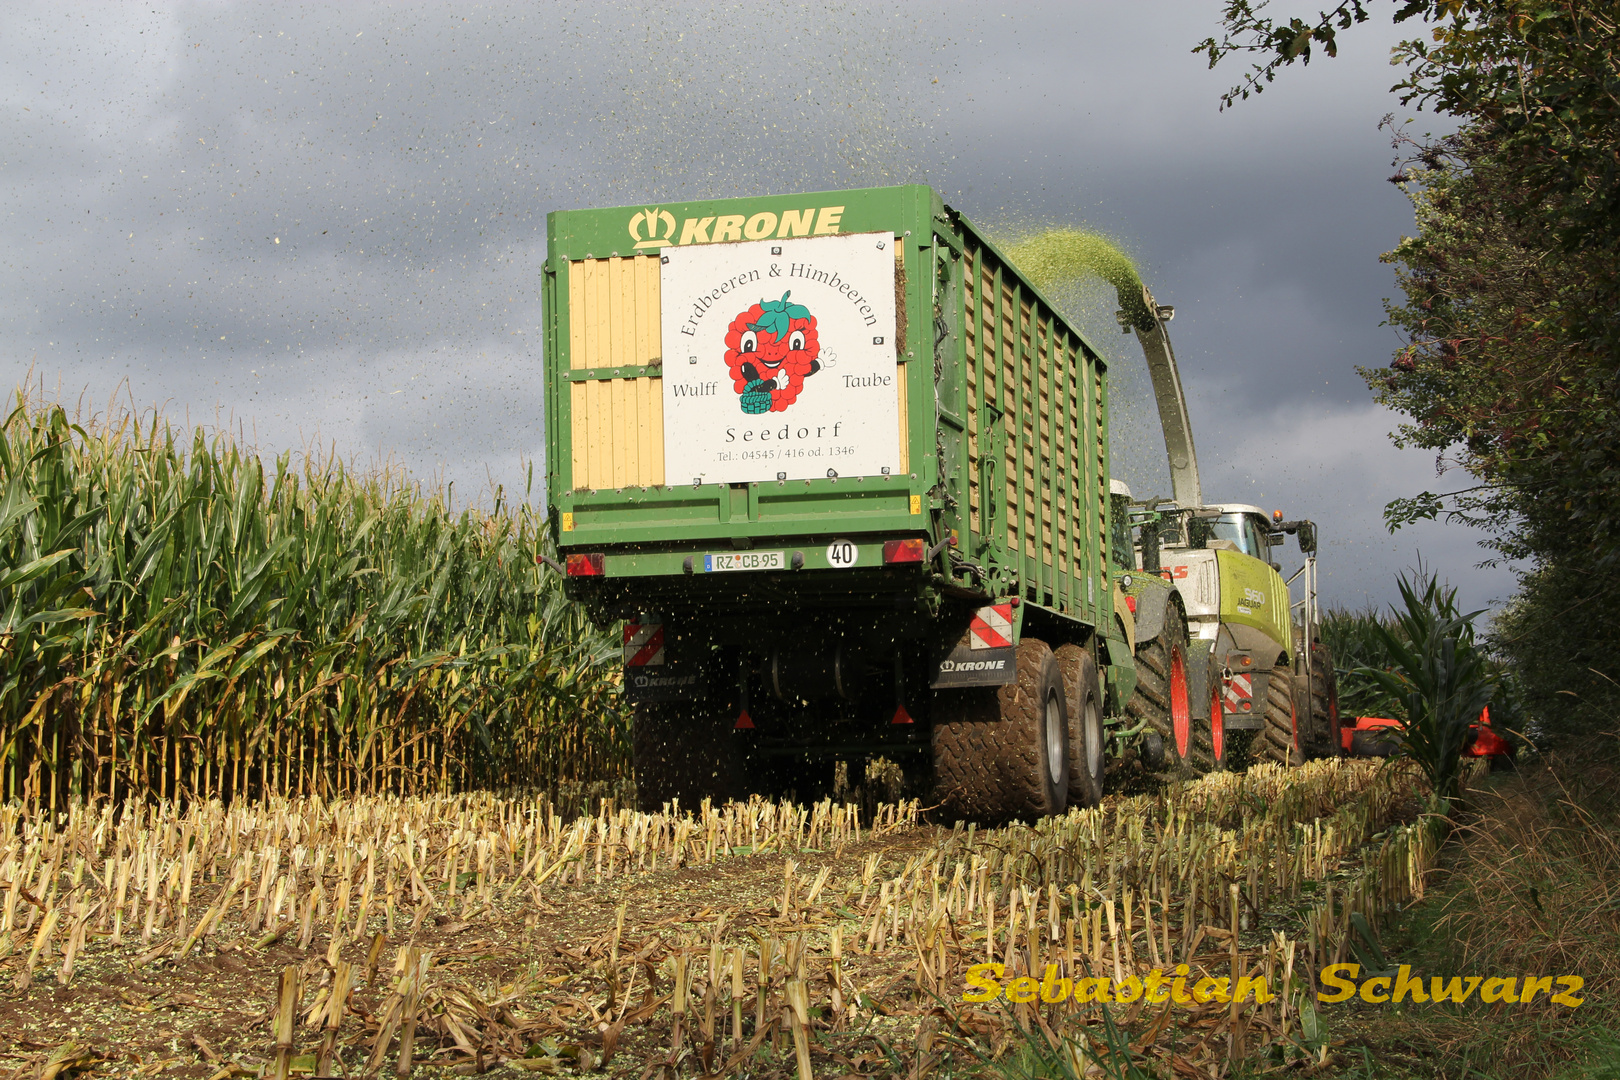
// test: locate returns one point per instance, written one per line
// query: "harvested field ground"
(479, 934)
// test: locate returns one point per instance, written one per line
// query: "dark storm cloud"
(325, 224)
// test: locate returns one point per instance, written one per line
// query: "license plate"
(743, 560)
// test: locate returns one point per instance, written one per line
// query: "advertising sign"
(779, 359)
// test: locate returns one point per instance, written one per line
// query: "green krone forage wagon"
(843, 475)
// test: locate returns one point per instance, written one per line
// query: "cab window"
(1230, 527)
(1245, 531)
(1257, 543)
(1124, 551)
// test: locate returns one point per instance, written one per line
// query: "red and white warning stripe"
(643, 644)
(991, 628)
(1239, 693)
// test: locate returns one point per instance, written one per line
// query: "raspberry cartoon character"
(770, 350)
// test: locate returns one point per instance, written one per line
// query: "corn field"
(180, 621)
(756, 938)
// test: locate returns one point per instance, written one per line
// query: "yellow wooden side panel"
(641, 389)
(579, 436)
(621, 330)
(905, 421)
(652, 466)
(617, 422)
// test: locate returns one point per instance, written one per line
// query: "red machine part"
(1486, 743)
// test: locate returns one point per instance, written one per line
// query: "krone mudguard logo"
(652, 219)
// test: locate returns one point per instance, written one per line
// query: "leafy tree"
(1512, 302)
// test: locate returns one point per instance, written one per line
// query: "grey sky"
(324, 224)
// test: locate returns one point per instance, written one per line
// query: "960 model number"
(743, 560)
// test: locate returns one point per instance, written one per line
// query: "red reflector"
(903, 551)
(585, 565)
(744, 722)
(1130, 604)
(901, 716)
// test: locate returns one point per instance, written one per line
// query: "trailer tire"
(1162, 699)
(684, 750)
(1083, 691)
(1002, 752)
(1278, 737)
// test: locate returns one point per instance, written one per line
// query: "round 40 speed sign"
(841, 554)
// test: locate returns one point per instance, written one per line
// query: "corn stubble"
(805, 938)
(183, 621)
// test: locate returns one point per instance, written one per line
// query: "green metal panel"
(1254, 595)
(647, 530)
(679, 512)
(622, 230)
(1059, 564)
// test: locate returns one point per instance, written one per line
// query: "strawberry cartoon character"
(770, 350)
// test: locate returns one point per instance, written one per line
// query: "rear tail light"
(903, 551)
(585, 565)
(1130, 604)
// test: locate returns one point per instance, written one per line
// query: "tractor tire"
(1321, 737)
(1002, 752)
(1221, 749)
(684, 750)
(1083, 694)
(1161, 700)
(1278, 737)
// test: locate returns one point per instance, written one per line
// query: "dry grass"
(472, 932)
(1537, 889)
(1528, 884)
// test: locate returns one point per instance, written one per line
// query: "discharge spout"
(1149, 319)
